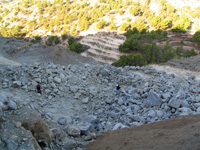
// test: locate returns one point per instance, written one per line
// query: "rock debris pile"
(79, 102)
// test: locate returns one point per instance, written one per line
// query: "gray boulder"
(12, 105)
(174, 103)
(153, 100)
(62, 121)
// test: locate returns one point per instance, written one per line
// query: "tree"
(74, 31)
(182, 23)
(163, 2)
(113, 26)
(156, 22)
(101, 24)
(121, 11)
(147, 52)
(135, 11)
(196, 37)
(124, 26)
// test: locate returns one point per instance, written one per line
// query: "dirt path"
(180, 133)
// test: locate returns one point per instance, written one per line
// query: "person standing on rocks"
(117, 90)
(38, 87)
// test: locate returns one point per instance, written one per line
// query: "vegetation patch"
(148, 53)
(74, 46)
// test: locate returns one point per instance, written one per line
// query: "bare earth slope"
(20, 51)
(180, 133)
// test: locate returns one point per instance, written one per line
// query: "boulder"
(69, 144)
(11, 135)
(85, 128)
(73, 131)
(152, 100)
(62, 121)
(17, 84)
(174, 103)
(85, 100)
(32, 121)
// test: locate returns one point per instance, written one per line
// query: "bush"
(52, 40)
(77, 47)
(73, 46)
(71, 40)
(64, 36)
(36, 39)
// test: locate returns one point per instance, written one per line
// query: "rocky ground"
(78, 103)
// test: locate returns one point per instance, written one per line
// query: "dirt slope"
(180, 133)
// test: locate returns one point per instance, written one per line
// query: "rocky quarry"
(78, 103)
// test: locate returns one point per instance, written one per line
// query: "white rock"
(85, 100)
(74, 89)
(119, 126)
(57, 80)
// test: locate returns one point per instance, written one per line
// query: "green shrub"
(52, 40)
(74, 46)
(71, 41)
(64, 36)
(77, 47)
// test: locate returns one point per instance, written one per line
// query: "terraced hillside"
(103, 47)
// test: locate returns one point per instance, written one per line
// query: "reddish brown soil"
(181, 133)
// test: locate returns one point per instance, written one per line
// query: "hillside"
(78, 102)
(39, 21)
(78, 109)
